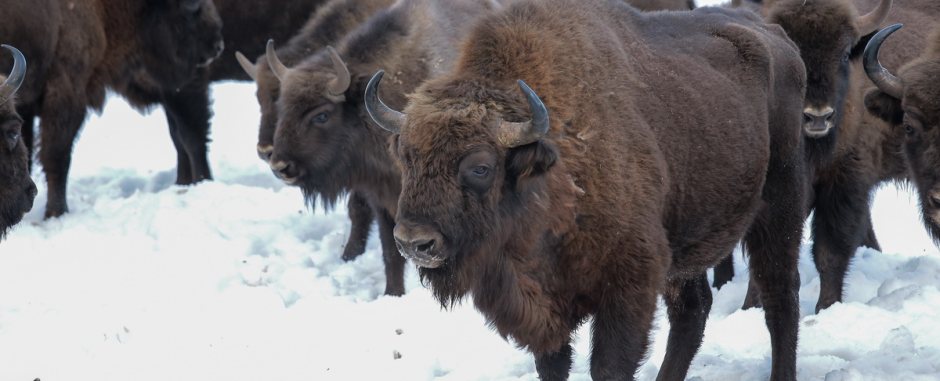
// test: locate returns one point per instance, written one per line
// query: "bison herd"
(553, 160)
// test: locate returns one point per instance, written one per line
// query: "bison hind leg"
(360, 218)
(724, 271)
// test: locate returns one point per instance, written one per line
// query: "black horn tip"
(536, 106)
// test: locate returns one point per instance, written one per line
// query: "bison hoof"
(352, 252)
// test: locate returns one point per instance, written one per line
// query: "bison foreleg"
(360, 218)
(688, 302)
(188, 114)
(555, 365)
(620, 334)
(61, 119)
(394, 261)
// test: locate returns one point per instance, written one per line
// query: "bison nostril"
(424, 246)
(265, 151)
(807, 118)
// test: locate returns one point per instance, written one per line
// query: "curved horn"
(870, 22)
(341, 83)
(515, 134)
(17, 75)
(878, 74)
(384, 116)
(247, 66)
(278, 67)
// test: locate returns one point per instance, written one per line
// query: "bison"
(16, 187)
(80, 49)
(331, 22)
(654, 142)
(910, 103)
(323, 141)
(850, 155)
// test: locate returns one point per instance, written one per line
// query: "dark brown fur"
(80, 49)
(16, 187)
(656, 164)
(414, 39)
(915, 118)
(859, 152)
(662, 5)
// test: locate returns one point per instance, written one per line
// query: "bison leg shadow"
(187, 113)
(394, 261)
(688, 302)
(360, 218)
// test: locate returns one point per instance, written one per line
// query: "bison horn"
(387, 118)
(17, 75)
(278, 67)
(870, 22)
(515, 134)
(247, 66)
(341, 83)
(882, 78)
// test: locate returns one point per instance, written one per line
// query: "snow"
(236, 280)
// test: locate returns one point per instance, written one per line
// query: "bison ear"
(884, 106)
(530, 160)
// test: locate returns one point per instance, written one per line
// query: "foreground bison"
(80, 49)
(646, 155)
(910, 103)
(16, 187)
(850, 151)
(324, 142)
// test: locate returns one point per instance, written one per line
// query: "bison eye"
(845, 57)
(321, 118)
(908, 129)
(481, 171)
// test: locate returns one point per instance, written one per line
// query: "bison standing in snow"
(651, 144)
(324, 142)
(850, 151)
(80, 49)
(16, 187)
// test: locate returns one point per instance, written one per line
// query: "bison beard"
(635, 187)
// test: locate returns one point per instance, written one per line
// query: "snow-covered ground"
(235, 280)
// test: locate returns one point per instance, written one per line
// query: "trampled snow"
(236, 280)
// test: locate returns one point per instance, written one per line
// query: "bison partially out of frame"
(16, 187)
(636, 153)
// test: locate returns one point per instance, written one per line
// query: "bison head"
(830, 35)
(320, 137)
(177, 38)
(16, 187)
(466, 166)
(910, 102)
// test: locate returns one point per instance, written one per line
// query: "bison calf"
(653, 144)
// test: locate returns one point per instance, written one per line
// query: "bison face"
(320, 140)
(178, 37)
(16, 187)
(463, 166)
(910, 103)
(830, 37)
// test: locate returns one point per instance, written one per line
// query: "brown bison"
(654, 143)
(324, 143)
(910, 103)
(331, 22)
(16, 187)
(247, 25)
(662, 5)
(851, 153)
(80, 49)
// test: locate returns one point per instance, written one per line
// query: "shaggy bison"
(16, 187)
(910, 103)
(330, 22)
(80, 49)
(324, 143)
(850, 151)
(645, 148)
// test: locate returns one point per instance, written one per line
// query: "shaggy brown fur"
(672, 136)
(80, 49)
(662, 5)
(858, 153)
(16, 187)
(323, 142)
(916, 117)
